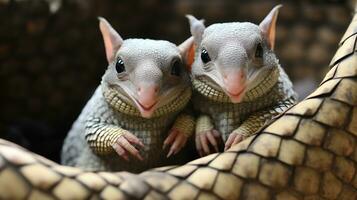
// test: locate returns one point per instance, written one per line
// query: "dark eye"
(204, 56)
(259, 51)
(119, 66)
(176, 68)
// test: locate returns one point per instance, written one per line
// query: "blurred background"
(52, 55)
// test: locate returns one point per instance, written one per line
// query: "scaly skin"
(105, 118)
(237, 80)
(308, 152)
(261, 104)
(139, 103)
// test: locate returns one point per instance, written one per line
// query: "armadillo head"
(147, 73)
(234, 57)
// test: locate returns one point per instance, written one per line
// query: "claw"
(234, 138)
(166, 144)
(172, 135)
(141, 144)
(133, 139)
(198, 146)
(212, 140)
(203, 140)
(237, 140)
(176, 139)
(204, 144)
(139, 156)
(179, 142)
(127, 147)
(120, 151)
(170, 153)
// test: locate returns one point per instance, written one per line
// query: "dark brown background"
(50, 62)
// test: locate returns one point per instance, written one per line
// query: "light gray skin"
(241, 57)
(106, 135)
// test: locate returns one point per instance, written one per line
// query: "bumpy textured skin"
(109, 114)
(308, 152)
(230, 65)
(260, 104)
(106, 117)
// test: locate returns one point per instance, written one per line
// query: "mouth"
(238, 96)
(147, 107)
(146, 111)
(128, 104)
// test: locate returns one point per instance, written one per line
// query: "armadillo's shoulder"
(95, 103)
(75, 140)
(285, 86)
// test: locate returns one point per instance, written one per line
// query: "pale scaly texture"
(237, 80)
(102, 124)
(110, 113)
(260, 104)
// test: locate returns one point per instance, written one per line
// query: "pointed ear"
(268, 26)
(197, 28)
(187, 50)
(112, 40)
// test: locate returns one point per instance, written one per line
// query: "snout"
(235, 84)
(147, 99)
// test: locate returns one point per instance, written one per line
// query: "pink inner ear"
(190, 57)
(268, 26)
(271, 35)
(112, 40)
(108, 46)
(188, 52)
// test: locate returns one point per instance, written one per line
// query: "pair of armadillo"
(224, 82)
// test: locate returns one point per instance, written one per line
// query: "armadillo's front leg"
(182, 129)
(254, 122)
(104, 138)
(206, 135)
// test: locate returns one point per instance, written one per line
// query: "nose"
(234, 81)
(148, 95)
